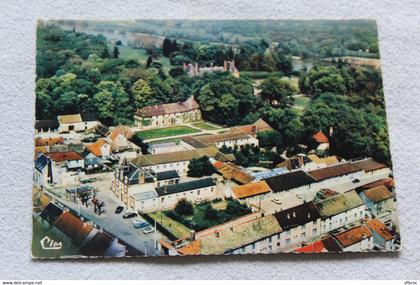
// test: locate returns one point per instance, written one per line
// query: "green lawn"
(302, 101)
(260, 74)
(176, 140)
(205, 126)
(128, 52)
(174, 227)
(166, 132)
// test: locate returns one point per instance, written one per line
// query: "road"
(109, 221)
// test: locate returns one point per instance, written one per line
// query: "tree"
(149, 61)
(142, 93)
(277, 92)
(199, 167)
(211, 213)
(177, 72)
(116, 52)
(184, 207)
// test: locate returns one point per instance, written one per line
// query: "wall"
(399, 44)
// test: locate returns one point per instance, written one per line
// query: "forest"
(80, 72)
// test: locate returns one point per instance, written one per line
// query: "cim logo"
(49, 244)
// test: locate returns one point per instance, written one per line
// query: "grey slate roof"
(186, 186)
(41, 162)
(297, 216)
(165, 175)
(289, 180)
(44, 125)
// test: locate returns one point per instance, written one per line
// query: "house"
(231, 171)
(77, 122)
(166, 178)
(382, 237)
(327, 244)
(258, 126)
(321, 141)
(250, 190)
(84, 238)
(372, 167)
(178, 160)
(340, 210)
(62, 165)
(300, 224)
(378, 199)
(42, 171)
(320, 162)
(49, 141)
(336, 173)
(296, 181)
(101, 148)
(167, 114)
(195, 191)
(93, 164)
(228, 139)
(165, 147)
(118, 141)
(246, 235)
(194, 70)
(46, 126)
(357, 239)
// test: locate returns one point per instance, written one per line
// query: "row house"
(356, 239)
(231, 139)
(77, 122)
(378, 200)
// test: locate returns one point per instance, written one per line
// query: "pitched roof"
(353, 235)
(185, 186)
(289, 180)
(380, 228)
(41, 162)
(239, 235)
(234, 172)
(73, 227)
(387, 182)
(223, 137)
(297, 216)
(314, 247)
(324, 160)
(194, 142)
(193, 248)
(97, 245)
(88, 117)
(378, 194)
(319, 137)
(69, 119)
(46, 124)
(369, 164)
(95, 148)
(64, 156)
(334, 171)
(331, 244)
(165, 175)
(114, 134)
(258, 126)
(176, 156)
(339, 204)
(48, 141)
(170, 108)
(51, 213)
(250, 189)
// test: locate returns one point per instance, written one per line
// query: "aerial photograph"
(210, 137)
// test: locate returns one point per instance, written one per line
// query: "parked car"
(119, 209)
(300, 196)
(277, 201)
(356, 181)
(129, 215)
(87, 180)
(140, 223)
(148, 230)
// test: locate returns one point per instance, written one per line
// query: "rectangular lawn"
(166, 132)
(174, 227)
(205, 126)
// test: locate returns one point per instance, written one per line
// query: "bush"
(211, 213)
(184, 208)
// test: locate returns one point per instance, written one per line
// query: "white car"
(277, 201)
(148, 230)
(140, 223)
(300, 196)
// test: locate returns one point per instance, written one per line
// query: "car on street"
(140, 223)
(300, 196)
(129, 215)
(276, 201)
(148, 230)
(356, 181)
(119, 209)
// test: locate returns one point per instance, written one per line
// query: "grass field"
(174, 227)
(166, 132)
(205, 126)
(260, 74)
(127, 52)
(302, 101)
(294, 80)
(176, 140)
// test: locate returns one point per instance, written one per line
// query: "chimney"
(192, 235)
(309, 215)
(216, 234)
(225, 65)
(294, 214)
(288, 216)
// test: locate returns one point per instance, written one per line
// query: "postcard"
(210, 137)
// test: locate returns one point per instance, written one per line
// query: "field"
(205, 126)
(127, 53)
(166, 132)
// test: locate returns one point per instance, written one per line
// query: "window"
(198, 192)
(302, 227)
(303, 235)
(355, 215)
(269, 239)
(314, 231)
(287, 240)
(278, 244)
(278, 236)
(253, 246)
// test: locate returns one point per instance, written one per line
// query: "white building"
(356, 239)
(77, 122)
(166, 147)
(229, 139)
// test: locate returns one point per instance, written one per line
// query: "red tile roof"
(369, 164)
(95, 148)
(72, 227)
(380, 229)
(251, 189)
(48, 141)
(378, 194)
(319, 137)
(353, 236)
(315, 247)
(334, 171)
(64, 156)
(170, 108)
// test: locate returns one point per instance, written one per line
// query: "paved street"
(111, 222)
